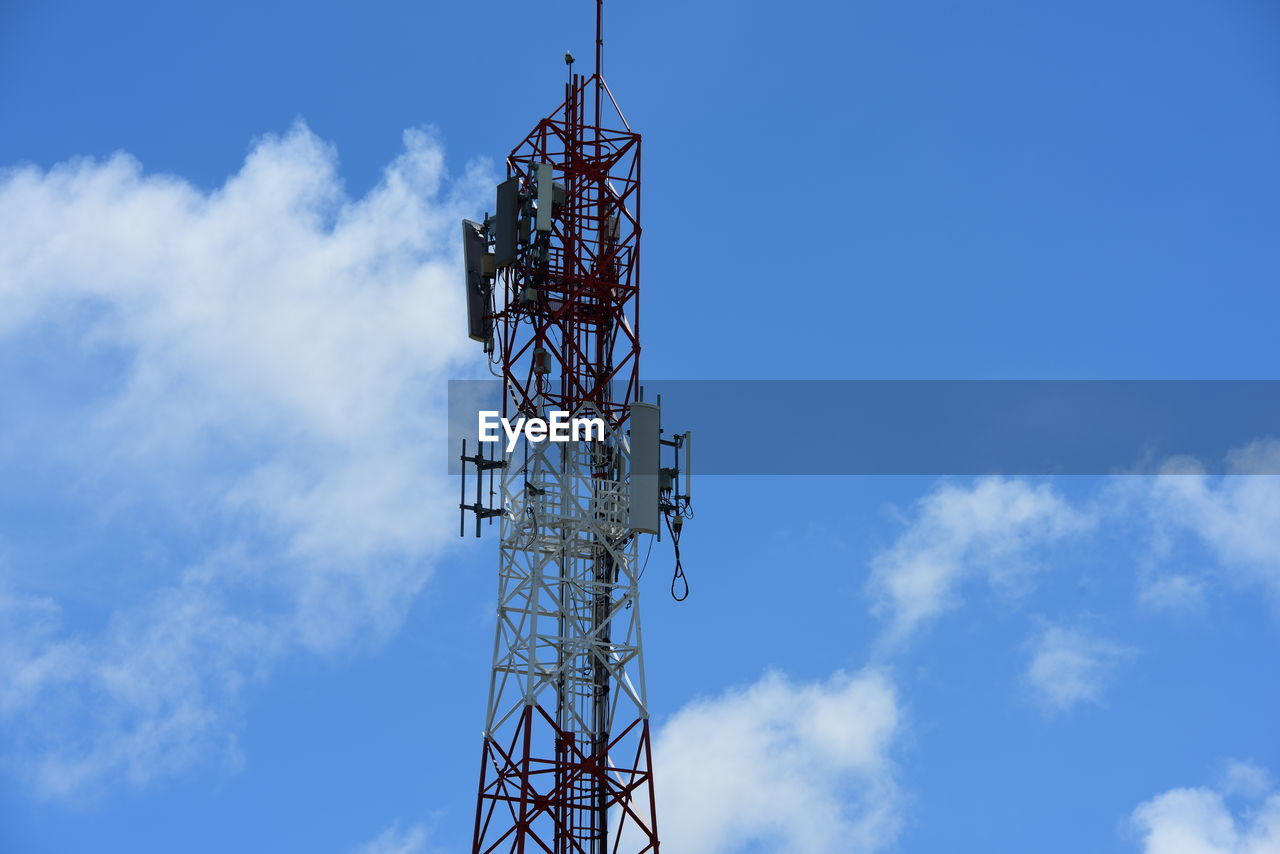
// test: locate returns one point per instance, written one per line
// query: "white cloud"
(1237, 515)
(991, 530)
(1172, 591)
(1071, 666)
(279, 398)
(997, 529)
(782, 767)
(394, 840)
(272, 313)
(1199, 821)
(1244, 779)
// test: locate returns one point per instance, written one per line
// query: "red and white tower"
(553, 289)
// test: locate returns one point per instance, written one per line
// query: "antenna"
(688, 465)
(599, 55)
(480, 271)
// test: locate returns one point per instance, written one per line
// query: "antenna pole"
(599, 56)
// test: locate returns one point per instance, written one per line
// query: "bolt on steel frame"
(566, 756)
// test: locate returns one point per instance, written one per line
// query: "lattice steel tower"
(553, 286)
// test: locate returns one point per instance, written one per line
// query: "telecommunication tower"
(553, 283)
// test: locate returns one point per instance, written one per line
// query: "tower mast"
(553, 291)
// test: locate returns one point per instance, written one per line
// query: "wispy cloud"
(281, 348)
(1070, 666)
(1174, 592)
(1200, 821)
(1237, 516)
(1002, 531)
(1244, 779)
(993, 530)
(397, 840)
(782, 766)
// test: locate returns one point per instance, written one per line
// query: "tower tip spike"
(599, 78)
(599, 36)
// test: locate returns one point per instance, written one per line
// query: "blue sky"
(233, 612)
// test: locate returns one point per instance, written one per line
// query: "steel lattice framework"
(586, 316)
(566, 760)
(566, 757)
